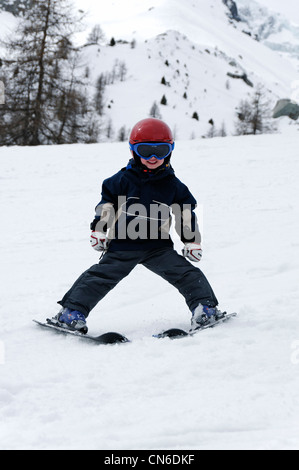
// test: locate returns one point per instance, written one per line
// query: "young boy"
(131, 227)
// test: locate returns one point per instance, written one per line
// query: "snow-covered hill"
(278, 31)
(234, 387)
(197, 48)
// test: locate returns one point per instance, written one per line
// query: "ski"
(105, 338)
(175, 333)
(116, 338)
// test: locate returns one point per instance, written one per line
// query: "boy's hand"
(98, 241)
(192, 251)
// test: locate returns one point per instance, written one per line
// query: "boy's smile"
(152, 164)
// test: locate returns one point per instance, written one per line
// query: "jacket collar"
(164, 170)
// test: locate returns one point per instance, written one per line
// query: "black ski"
(175, 333)
(106, 338)
(114, 338)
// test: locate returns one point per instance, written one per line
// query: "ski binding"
(174, 333)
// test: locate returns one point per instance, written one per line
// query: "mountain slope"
(278, 31)
(196, 49)
(201, 46)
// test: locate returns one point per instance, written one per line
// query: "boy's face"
(152, 164)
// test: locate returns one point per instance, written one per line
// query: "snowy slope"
(287, 9)
(151, 17)
(234, 387)
(193, 45)
(200, 45)
(276, 26)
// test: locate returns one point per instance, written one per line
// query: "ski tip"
(111, 338)
(38, 322)
(172, 333)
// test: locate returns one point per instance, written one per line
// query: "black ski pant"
(100, 278)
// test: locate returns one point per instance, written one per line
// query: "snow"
(8, 24)
(201, 47)
(194, 46)
(232, 387)
(151, 17)
(200, 72)
(287, 9)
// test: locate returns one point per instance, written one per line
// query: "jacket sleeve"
(105, 210)
(185, 218)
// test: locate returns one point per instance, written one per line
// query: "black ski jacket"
(137, 206)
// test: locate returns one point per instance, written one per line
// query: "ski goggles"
(148, 150)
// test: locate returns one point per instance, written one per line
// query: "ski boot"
(203, 315)
(70, 319)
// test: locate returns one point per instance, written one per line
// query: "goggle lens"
(149, 150)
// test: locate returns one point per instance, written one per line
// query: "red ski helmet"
(151, 130)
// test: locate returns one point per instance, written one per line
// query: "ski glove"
(98, 241)
(192, 251)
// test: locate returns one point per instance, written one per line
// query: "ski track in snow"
(232, 387)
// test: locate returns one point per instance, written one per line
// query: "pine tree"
(155, 111)
(212, 130)
(244, 115)
(163, 100)
(45, 96)
(100, 93)
(122, 134)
